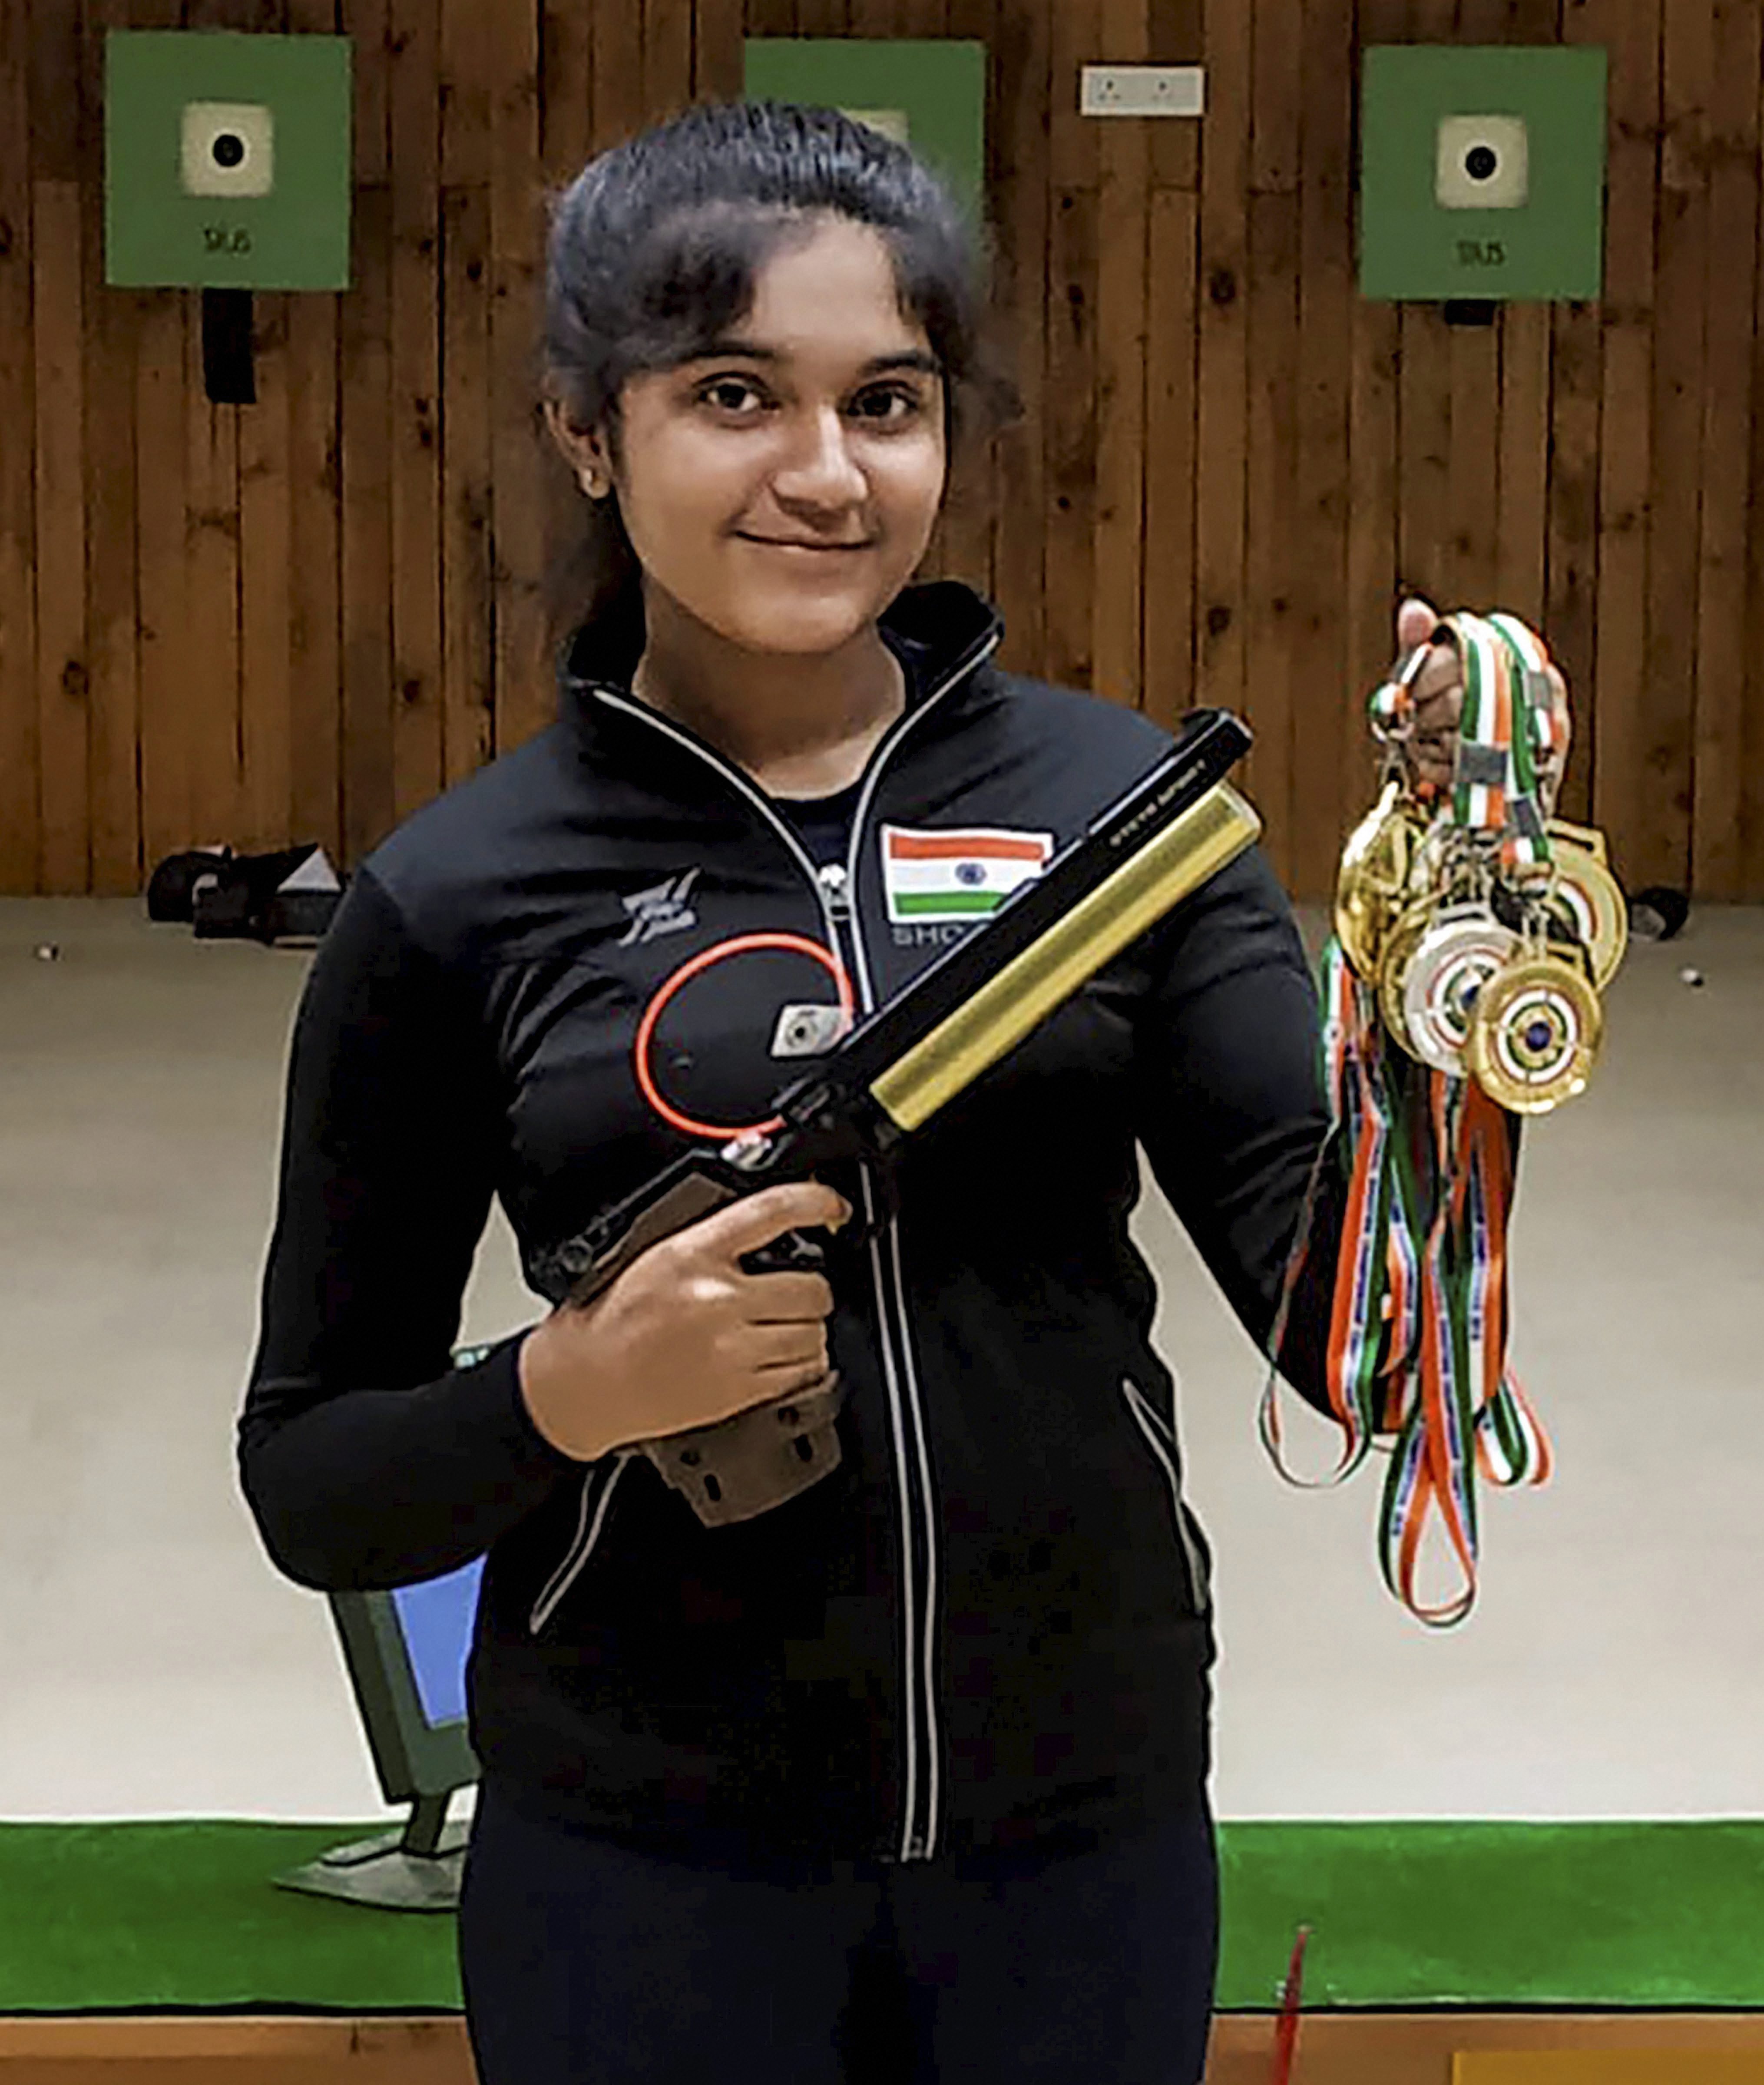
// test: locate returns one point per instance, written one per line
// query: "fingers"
(1558, 701)
(1416, 622)
(1436, 693)
(788, 1299)
(757, 1388)
(774, 1347)
(1437, 716)
(793, 1380)
(1442, 676)
(756, 1220)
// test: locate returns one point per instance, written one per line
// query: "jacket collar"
(937, 626)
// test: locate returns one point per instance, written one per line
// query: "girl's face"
(781, 491)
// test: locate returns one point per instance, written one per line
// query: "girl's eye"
(878, 403)
(729, 393)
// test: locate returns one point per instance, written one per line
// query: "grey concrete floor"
(156, 1664)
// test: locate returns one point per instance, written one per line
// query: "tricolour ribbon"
(1416, 1356)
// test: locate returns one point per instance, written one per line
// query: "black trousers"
(585, 1963)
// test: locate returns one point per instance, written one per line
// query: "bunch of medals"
(1473, 934)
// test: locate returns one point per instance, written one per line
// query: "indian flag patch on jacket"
(963, 874)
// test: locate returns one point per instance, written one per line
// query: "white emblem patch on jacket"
(960, 874)
(662, 909)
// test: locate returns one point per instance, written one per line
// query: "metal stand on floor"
(418, 1869)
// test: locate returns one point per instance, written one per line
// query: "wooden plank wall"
(299, 620)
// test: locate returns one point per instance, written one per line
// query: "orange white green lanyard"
(1416, 1346)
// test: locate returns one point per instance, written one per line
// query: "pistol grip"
(686, 1202)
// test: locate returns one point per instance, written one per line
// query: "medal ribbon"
(1360, 1129)
(1507, 726)
(1417, 1349)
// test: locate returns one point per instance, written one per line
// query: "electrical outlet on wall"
(1142, 90)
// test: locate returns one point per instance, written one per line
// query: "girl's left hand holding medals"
(1431, 743)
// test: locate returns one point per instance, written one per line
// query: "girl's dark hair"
(653, 254)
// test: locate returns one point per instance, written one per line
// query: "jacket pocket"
(1160, 1437)
(598, 1485)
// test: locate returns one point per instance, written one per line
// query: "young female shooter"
(946, 1708)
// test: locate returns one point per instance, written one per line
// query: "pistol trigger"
(794, 1252)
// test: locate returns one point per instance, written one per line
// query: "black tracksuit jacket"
(992, 1622)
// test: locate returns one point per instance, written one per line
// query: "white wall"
(156, 1666)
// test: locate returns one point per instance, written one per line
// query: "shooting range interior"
(1312, 304)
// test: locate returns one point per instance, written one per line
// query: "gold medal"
(1400, 945)
(1535, 1034)
(1583, 896)
(1442, 980)
(1588, 838)
(1372, 887)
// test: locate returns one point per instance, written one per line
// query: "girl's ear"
(584, 449)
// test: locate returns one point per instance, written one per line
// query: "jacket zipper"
(599, 1481)
(921, 1817)
(1161, 1439)
(836, 895)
